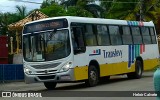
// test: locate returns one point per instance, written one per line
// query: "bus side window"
(146, 35)
(137, 38)
(153, 37)
(103, 35)
(115, 35)
(90, 36)
(78, 40)
(127, 37)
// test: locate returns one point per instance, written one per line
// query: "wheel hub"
(93, 75)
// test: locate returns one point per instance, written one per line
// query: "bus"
(81, 49)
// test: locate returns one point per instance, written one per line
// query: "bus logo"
(134, 51)
(46, 71)
(95, 52)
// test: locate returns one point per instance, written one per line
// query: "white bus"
(73, 49)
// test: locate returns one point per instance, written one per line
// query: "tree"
(151, 10)
(21, 11)
(4, 23)
(76, 11)
(118, 9)
(54, 10)
(85, 5)
(47, 3)
(130, 9)
(5, 20)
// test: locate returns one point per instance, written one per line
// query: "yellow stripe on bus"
(150, 64)
(81, 73)
(115, 68)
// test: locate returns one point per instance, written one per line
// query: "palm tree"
(87, 5)
(130, 9)
(4, 23)
(69, 2)
(118, 9)
(151, 10)
(47, 3)
(21, 11)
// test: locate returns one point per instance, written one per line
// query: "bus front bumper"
(67, 76)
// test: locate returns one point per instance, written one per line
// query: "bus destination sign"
(45, 25)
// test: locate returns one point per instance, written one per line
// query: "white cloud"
(9, 5)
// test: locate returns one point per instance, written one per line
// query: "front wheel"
(138, 71)
(93, 76)
(50, 85)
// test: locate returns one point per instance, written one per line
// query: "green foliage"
(21, 11)
(5, 20)
(54, 10)
(58, 10)
(76, 11)
(47, 3)
(119, 9)
(112, 9)
(8, 18)
(83, 7)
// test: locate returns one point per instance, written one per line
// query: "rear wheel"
(138, 71)
(50, 85)
(93, 76)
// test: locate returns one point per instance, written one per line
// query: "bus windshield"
(46, 46)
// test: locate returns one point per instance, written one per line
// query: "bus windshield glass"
(46, 46)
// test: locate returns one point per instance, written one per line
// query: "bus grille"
(46, 66)
(44, 72)
(46, 77)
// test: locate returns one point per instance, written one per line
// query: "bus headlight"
(66, 67)
(27, 70)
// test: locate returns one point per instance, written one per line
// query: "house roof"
(35, 15)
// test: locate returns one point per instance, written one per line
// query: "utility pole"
(141, 9)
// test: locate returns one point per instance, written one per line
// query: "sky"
(9, 5)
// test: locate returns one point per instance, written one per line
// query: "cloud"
(9, 5)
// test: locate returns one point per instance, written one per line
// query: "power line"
(115, 2)
(27, 2)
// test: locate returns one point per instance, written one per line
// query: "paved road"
(116, 83)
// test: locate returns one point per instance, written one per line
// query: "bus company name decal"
(107, 54)
(110, 54)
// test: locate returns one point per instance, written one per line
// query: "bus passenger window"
(78, 40)
(137, 38)
(115, 35)
(146, 35)
(153, 37)
(127, 37)
(103, 35)
(74, 39)
(90, 36)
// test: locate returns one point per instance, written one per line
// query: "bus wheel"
(138, 71)
(93, 76)
(50, 85)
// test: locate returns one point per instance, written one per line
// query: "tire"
(138, 71)
(93, 76)
(50, 85)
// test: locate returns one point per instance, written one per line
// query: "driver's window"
(74, 38)
(77, 38)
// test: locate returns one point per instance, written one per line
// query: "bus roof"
(98, 21)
